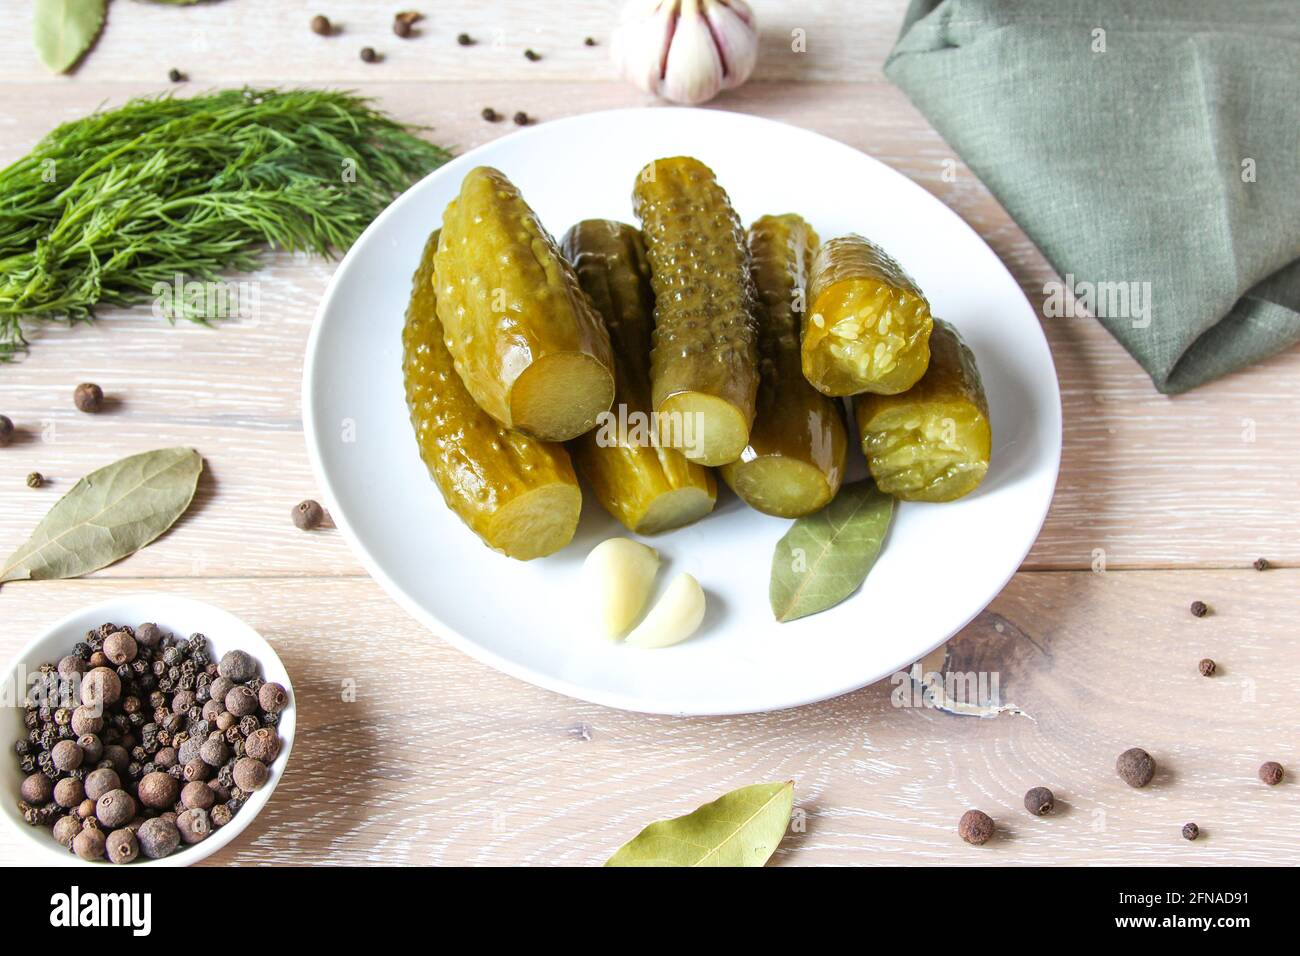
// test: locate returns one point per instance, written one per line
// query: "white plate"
(941, 564)
(179, 616)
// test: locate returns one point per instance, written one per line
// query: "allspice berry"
(214, 751)
(272, 697)
(122, 846)
(1191, 831)
(148, 634)
(976, 827)
(321, 26)
(368, 55)
(193, 825)
(158, 837)
(1039, 801)
(1271, 773)
(158, 790)
(36, 788)
(1207, 667)
(1135, 767)
(6, 430)
(101, 781)
(263, 744)
(241, 701)
(120, 648)
(249, 773)
(198, 795)
(89, 844)
(101, 686)
(1199, 609)
(66, 829)
(70, 792)
(308, 514)
(66, 755)
(89, 397)
(237, 666)
(115, 808)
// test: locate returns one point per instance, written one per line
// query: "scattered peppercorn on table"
(1093, 646)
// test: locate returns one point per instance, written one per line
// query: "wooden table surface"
(447, 761)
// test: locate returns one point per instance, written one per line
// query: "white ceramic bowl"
(178, 615)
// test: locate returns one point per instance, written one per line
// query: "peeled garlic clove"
(676, 616)
(617, 577)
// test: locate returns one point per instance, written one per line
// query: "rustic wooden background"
(442, 760)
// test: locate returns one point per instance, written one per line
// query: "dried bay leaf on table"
(108, 515)
(825, 556)
(740, 828)
(63, 30)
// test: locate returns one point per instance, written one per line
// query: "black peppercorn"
(1271, 773)
(308, 514)
(1207, 667)
(1135, 767)
(158, 837)
(1199, 609)
(1191, 831)
(976, 827)
(368, 54)
(589, 41)
(521, 118)
(1261, 564)
(122, 846)
(1039, 801)
(89, 844)
(221, 815)
(321, 26)
(490, 115)
(88, 396)
(532, 55)
(6, 430)
(35, 479)
(464, 39)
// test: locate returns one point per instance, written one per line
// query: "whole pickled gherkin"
(794, 462)
(867, 328)
(518, 494)
(648, 487)
(932, 442)
(704, 364)
(527, 343)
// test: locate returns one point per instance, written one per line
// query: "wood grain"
(442, 760)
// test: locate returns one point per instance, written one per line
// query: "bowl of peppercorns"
(147, 729)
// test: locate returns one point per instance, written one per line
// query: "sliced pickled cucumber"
(518, 494)
(527, 344)
(794, 462)
(648, 487)
(867, 328)
(704, 364)
(932, 442)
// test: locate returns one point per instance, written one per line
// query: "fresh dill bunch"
(109, 205)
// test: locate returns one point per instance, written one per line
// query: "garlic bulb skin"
(686, 51)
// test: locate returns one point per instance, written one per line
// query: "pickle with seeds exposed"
(528, 345)
(704, 364)
(648, 487)
(518, 494)
(867, 328)
(932, 442)
(794, 462)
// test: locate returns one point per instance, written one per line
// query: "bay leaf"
(825, 556)
(740, 828)
(64, 29)
(109, 514)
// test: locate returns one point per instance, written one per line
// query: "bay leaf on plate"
(109, 514)
(64, 29)
(825, 556)
(740, 828)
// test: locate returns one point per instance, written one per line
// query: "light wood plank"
(1149, 480)
(441, 760)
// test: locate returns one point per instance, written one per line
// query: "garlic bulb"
(686, 51)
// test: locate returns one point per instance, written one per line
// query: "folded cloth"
(1151, 149)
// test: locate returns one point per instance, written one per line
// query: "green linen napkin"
(1151, 149)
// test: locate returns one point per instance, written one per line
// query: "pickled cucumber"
(649, 488)
(527, 344)
(867, 328)
(704, 364)
(932, 442)
(794, 462)
(518, 494)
